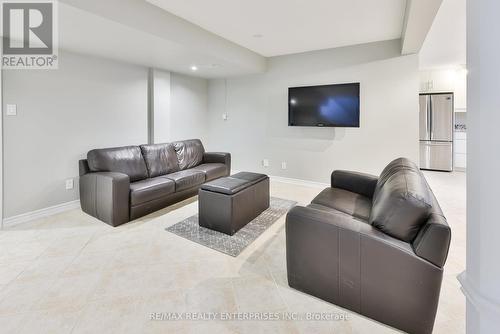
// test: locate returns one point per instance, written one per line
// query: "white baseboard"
(52, 210)
(41, 213)
(481, 302)
(299, 182)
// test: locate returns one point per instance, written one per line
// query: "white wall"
(160, 100)
(178, 106)
(188, 108)
(92, 102)
(258, 113)
(86, 103)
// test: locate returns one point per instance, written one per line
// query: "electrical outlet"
(69, 184)
(283, 165)
(265, 163)
(11, 110)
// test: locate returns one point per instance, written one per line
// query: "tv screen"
(328, 105)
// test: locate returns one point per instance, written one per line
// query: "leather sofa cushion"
(402, 204)
(127, 160)
(345, 201)
(150, 189)
(335, 212)
(189, 153)
(186, 179)
(160, 159)
(212, 170)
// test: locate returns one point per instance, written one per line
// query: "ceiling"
(279, 27)
(142, 34)
(446, 42)
(223, 38)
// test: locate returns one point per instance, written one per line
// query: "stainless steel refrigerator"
(436, 131)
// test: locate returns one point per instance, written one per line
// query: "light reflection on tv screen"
(328, 105)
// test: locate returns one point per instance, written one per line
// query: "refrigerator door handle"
(429, 110)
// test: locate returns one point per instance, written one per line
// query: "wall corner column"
(481, 280)
(159, 98)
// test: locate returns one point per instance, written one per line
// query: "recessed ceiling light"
(194, 68)
(257, 36)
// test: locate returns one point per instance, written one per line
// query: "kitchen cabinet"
(437, 81)
(446, 80)
(460, 150)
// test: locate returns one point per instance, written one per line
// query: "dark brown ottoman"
(229, 203)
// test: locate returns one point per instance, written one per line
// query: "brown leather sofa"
(124, 183)
(376, 246)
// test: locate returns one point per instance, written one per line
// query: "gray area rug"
(232, 245)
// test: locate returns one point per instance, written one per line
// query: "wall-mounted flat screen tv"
(324, 106)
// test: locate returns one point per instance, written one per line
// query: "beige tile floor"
(72, 274)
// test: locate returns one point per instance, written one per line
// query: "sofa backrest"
(127, 160)
(405, 207)
(401, 201)
(189, 153)
(392, 168)
(160, 159)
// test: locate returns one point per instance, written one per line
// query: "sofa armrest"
(105, 196)
(354, 265)
(83, 167)
(360, 183)
(433, 240)
(218, 157)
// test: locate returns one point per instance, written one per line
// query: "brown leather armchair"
(376, 246)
